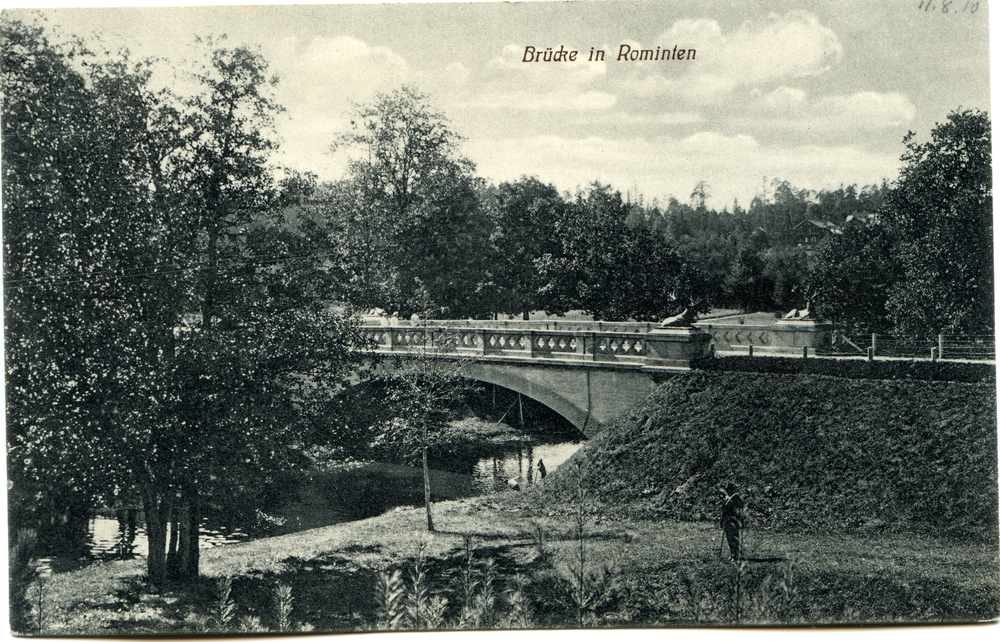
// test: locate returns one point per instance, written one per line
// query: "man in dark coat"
(733, 518)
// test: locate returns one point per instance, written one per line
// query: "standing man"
(733, 517)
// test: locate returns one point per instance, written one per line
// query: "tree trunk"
(427, 492)
(188, 557)
(172, 561)
(156, 510)
(194, 553)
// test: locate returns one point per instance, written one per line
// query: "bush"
(920, 370)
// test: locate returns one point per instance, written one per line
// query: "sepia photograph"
(668, 316)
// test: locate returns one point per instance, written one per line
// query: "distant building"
(812, 231)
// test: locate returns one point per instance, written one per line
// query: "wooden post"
(941, 346)
(750, 350)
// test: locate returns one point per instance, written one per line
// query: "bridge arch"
(545, 395)
(589, 398)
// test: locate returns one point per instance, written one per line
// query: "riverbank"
(661, 573)
(870, 502)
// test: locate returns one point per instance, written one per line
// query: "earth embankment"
(809, 452)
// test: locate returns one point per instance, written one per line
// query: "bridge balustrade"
(633, 346)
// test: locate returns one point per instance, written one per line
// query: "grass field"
(662, 573)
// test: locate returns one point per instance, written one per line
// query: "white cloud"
(319, 81)
(666, 165)
(666, 118)
(701, 34)
(868, 109)
(335, 70)
(784, 99)
(790, 109)
(789, 46)
(456, 73)
(778, 48)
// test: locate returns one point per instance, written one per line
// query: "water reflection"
(125, 538)
(520, 466)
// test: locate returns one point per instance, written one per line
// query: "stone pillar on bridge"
(676, 347)
(802, 336)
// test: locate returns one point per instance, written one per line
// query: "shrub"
(921, 370)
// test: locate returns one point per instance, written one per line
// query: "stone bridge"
(588, 372)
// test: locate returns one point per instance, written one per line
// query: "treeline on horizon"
(530, 248)
(424, 235)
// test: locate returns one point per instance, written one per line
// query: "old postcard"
(499, 316)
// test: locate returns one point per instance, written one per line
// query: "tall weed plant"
(589, 585)
(408, 601)
(222, 617)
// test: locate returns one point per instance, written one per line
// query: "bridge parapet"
(634, 346)
(785, 337)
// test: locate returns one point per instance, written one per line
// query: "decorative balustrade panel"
(555, 344)
(621, 347)
(501, 342)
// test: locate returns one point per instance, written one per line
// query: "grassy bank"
(660, 573)
(811, 452)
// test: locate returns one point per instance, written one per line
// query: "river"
(514, 463)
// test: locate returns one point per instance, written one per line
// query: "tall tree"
(746, 282)
(165, 326)
(524, 222)
(612, 271)
(786, 268)
(418, 201)
(852, 274)
(77, 227)
(942, 215)
(422, 391)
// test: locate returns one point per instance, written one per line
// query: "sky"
(817, 93)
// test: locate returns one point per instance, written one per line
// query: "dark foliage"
(855, 368)
(810, 451)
